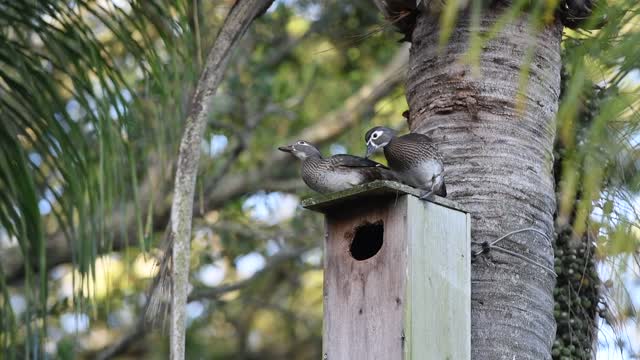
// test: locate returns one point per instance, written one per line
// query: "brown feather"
(404, 152)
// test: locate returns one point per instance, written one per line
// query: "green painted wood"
(438, 309)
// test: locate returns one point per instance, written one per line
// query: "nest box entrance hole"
(367, 240)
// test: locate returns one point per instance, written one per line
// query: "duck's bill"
(287, 148)
(370, 150)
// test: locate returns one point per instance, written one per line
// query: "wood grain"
(364, 311)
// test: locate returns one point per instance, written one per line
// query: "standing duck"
(412, 157)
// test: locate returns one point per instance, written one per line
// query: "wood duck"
(338, 172)
(412, 157)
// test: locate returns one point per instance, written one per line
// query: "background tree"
(101, 166)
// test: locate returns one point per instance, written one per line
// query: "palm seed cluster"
(576, 293)
(576, 296)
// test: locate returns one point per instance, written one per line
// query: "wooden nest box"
(396, 275)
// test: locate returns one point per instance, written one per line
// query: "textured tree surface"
(402, 13)
(498, 158)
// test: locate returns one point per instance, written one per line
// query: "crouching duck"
(335, 173)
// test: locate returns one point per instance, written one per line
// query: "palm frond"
(71, 133)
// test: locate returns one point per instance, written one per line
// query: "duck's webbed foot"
(427, 195)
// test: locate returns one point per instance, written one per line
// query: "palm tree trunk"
(498, 159)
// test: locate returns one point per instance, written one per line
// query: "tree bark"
(498, 165)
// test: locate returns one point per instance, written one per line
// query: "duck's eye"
(301, 143)
(375, 135)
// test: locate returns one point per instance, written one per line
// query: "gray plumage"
(338, 172)
(412, 157)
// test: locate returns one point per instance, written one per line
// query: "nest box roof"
(367, 192)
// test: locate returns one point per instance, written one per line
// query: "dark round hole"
(367, 240)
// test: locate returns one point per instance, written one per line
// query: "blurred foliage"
(93, 96)
(70, 140)
(596, 169)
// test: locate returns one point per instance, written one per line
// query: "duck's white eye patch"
(376, 135)
(301, 143)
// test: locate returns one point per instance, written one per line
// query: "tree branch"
(136, 334)
(231, 185)
(274, 261)
(235, 25)
(327, 128)
(139, 331)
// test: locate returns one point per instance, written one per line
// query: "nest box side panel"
(364, 289)
(439, 284)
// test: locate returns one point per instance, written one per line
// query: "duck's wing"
(416, 144)
(354, 161)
